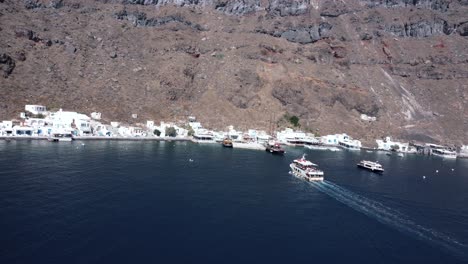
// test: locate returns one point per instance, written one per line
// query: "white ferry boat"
(445, 153)
(248, 145)
(321, 147)
(203, 136)
(305, 169)
(56, 137)
(350, 144)
(370, 165)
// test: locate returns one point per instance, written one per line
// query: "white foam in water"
(391, 217)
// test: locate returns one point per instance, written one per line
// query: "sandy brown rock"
(245, 63)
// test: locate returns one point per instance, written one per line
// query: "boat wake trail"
(392, 217)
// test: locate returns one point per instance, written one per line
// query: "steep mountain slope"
(245, 62)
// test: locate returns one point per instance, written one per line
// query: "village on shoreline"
(39, 123)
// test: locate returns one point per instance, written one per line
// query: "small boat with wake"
(371, 165)
(305, 169)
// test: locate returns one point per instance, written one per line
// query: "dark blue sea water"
(145, 202)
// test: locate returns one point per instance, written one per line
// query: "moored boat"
(321, 147)
(371, 165)
(445, 153)
(305, 169)
(248, 145)
(274, 148)
(57, 137)
(227, 143)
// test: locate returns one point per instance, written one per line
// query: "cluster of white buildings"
(39, 122)
(36, 121)
(389, 145)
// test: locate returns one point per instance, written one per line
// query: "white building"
(100, 130)
(124, 131)
(6, 128)
(368, 118)
(342, 140)
(96, 115)
(150, 124)
(39, 125)
(333, 139)
(36, 109)
(181, 132)
(204, 135)
(65, 121)
(137, 132)
(463, 152)
(35, 122)
(195, 125)
(388, 144)
(22, 131)
(289, 136)
(262, 136)
(233, 134)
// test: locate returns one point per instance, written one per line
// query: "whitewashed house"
(6, 128)
(65, 121)
(233, 134)
(195, 125)
(463, 152)
(289, 136)
(39, 125)
(332, 139)
(124, 131)
(181, 132)
(342, 140)
(388, 144)
(36, 109)
(96, 115)
(22, 131)
(262, 136)
(137, 132)
(100, 130)
(368, 118)
(150, 124)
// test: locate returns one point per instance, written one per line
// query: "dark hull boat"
(275, 149)
(227, 143)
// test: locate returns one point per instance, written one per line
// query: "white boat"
(56, 137)
(203, 136)
(463, 152)
(400, 155)
(248, 145)
(305, 169)
(370, 165)
(445, 153)
(321, 147)
(350, 144)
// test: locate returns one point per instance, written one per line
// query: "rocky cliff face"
(245, 62)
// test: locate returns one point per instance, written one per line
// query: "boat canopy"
(304, 162)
